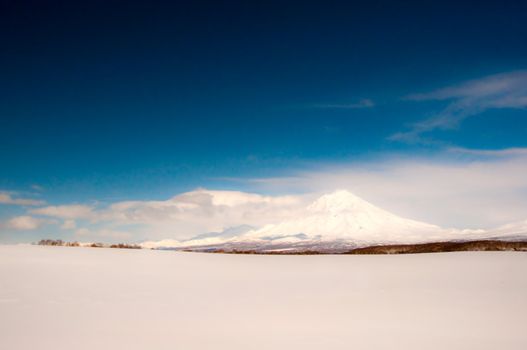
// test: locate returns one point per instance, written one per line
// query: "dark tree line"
(61, 243)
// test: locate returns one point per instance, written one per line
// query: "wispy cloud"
(37, 188)
(7, 198)
(507, 152)
(456, 188)
(364, 103)
(69, 224)
(182, 216)
(465, 188)
(72, 211)
(102, 234)
(26, 222)
(506, 90)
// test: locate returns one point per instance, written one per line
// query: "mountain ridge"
(336, 222)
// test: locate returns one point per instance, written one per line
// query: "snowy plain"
(87, 298)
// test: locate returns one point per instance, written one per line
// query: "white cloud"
(26, 222)
(482, 191)
(506, 90)
(37, 187)
(200, 211)
(507, 152)
(74, 211)
(69, 224)
(461, 188)
(83, 231)
(104, 234)
(6, 198)
(182, 216)
(364, 103)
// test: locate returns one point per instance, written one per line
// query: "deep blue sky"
(115, 100)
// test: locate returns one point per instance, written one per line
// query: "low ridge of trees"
(61, 243)
(434, 247)
(52, 242)
(125, 246)
(437, 247)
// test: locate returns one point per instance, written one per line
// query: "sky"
(114, 113)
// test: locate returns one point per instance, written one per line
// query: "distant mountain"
(344, 216)
(336, 222)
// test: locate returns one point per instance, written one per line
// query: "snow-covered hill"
(334, 222)
(343, 216)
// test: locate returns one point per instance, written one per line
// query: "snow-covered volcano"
(343, 216)
(334, 222)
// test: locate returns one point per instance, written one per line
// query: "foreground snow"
(88, 298)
